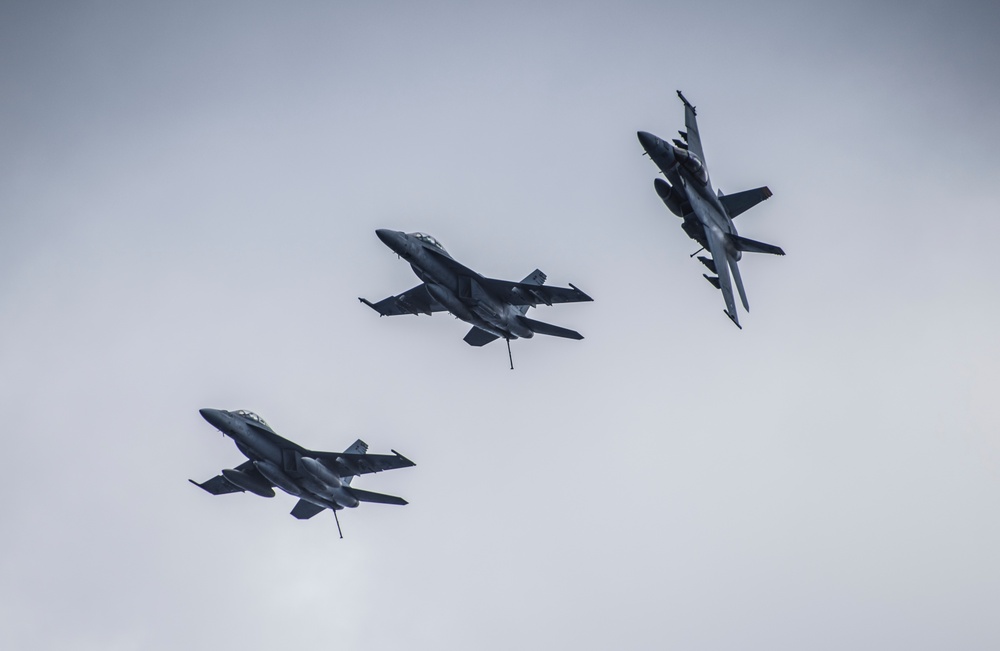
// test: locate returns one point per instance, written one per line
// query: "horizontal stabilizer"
(548, 329)
(304, 510)
(379, 498)
(753, 246)
(741, 202)
(479, 337)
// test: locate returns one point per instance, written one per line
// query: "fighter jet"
(495, 308)
(321, 480)
(708, 216)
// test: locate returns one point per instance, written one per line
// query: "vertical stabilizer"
(536, 277)
(358, 447)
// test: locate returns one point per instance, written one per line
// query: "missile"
(249, 482)
(712, 279)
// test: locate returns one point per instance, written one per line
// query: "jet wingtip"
(584, 296)
(686, 102)
(371, 305)
(201, 486)
(402, 457)
(733, 318)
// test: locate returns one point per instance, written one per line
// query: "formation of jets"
(496, 309)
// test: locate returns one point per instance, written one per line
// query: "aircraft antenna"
(338, 524)
(509, 356)
(697, 252)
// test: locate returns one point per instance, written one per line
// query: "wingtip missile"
(402, 457)
(371, 305)
(582, 293)
(686, 103)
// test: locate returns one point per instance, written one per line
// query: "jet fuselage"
(280, 461)
(460, 293)
(670, 159)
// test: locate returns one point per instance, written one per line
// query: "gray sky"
(187, 203)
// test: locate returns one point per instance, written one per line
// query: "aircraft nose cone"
(213, 416)
(646, 139)
(395, 240)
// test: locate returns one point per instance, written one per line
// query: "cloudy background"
(188, 196)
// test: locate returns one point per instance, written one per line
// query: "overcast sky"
(188, 199)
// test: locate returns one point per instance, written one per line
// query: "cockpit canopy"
(427, 239)
(252, 416)
(692, 164)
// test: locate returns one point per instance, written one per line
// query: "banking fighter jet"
(708, 216)
(495, 308)
(321, 480)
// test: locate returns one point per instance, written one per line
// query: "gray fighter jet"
(495, 308)
(708, 216)
(321, 480)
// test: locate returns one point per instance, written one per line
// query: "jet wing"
(691, 126)
(445, 259)
(363, 464)
(413, 301)
(219, 485)
(531, 294)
